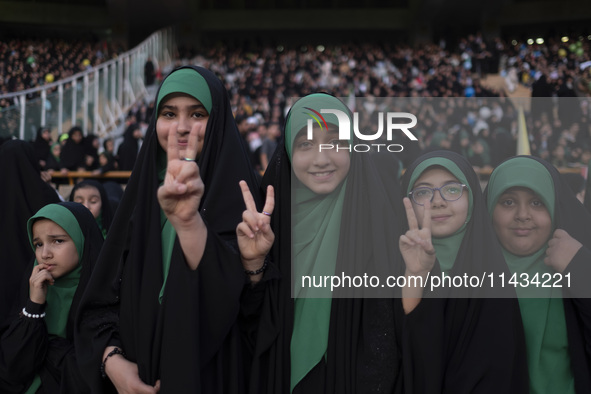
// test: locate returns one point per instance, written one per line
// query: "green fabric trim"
(35, 385)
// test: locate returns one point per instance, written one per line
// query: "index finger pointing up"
(247, 196)
(172, 143)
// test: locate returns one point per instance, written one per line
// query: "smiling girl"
(335, 213)
(546, 233)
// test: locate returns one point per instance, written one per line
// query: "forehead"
(317, 131)
(87, 189)
(46, 226)
(521, 191)
(179, 99)
(435, 176)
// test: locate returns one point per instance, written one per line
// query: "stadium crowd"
(263, 81)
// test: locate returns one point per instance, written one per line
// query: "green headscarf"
(542, 309)
(446, 248)
(57, 158)
(316, 227)
(61, 293)
(188, 81)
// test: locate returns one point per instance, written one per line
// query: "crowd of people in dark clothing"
(262, 81)
(31, 63)
(76, 152)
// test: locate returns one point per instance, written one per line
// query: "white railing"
(96, 99)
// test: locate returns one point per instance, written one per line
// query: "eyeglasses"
(449, 192)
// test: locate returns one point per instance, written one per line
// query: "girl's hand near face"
(418, 254)
(181, 193)
(255, 236)
(180, 196)
(38, 282)
(561, 250)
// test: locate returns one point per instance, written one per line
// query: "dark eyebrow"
(174, 107)
(430, 185)
(53, 236)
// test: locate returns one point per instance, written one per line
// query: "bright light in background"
(564, 39)
(280, 48)
(539, 41)
(514, 42)
(530, 41)
(320, 48)
(589, 37)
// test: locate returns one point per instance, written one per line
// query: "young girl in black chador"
(36, 347)
(336, 212)
(546, 238)
(161, 310)
(93, 196)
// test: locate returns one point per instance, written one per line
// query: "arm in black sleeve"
(580, 274)
(23, 346)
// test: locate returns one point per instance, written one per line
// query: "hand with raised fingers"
(255, 236)
(39, 281)
(415, 246)
(181, 193)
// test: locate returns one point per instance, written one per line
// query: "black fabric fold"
(24, 194)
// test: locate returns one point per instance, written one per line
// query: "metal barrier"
(95, 99)
(72, 176)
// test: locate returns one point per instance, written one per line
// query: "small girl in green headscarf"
(545, 235)
(37, 352)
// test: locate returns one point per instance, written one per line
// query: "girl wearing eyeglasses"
(455, 339)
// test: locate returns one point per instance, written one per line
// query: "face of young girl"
(447, 217)
(522, 221)
(54, 248)
(90, 197)
(179, 113)
(320, 171)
